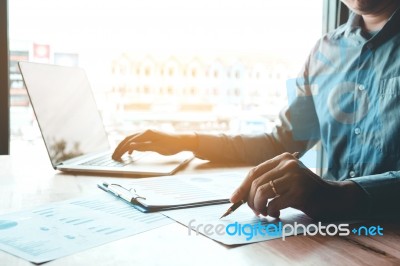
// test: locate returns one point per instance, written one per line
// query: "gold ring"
(271, 183)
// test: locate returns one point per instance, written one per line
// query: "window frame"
(4, 81)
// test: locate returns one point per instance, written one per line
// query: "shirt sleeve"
(251, 149)
(383, 192)
(254, 149)
(297, 130)
(287, 136)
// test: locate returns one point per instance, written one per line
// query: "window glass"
(175, 65)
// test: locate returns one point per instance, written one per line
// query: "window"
(173, 65)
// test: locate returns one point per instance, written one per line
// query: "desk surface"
(35, 183)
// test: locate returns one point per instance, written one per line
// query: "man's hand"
(151, 140)
(298, 187)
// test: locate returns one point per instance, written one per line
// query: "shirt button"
(357, 131)
(352, 174)
(360, 87)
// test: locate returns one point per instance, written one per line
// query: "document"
(175, 192)
(63, 228)
(240, 227)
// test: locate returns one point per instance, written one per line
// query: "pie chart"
(4, 224)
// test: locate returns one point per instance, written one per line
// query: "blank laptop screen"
(65, 110)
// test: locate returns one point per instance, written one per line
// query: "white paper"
(186, 189)
(63, 228)
(197, 218)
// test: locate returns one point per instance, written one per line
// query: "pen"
(239, 203)
(233, 208)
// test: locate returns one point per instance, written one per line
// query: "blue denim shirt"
(348, 97)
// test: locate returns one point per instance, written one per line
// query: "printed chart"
(63, 228)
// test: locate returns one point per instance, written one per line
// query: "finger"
(266, 192)
(126, 140)
(286, 164)
(287, 167)
(243, 190)
(118, 150)
(124, 146)
(260, 183)
(277, 204)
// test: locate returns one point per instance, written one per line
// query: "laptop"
(73, 130)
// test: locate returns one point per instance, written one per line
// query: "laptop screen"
(65, 110)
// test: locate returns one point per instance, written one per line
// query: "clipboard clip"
(132, 192)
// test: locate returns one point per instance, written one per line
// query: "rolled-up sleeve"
(255, 149)
(251, 149)
(296, 131)
(383, 192)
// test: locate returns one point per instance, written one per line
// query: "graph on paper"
(63, 228)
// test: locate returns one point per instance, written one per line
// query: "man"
(347, 97)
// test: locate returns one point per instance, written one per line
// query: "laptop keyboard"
(106, 160)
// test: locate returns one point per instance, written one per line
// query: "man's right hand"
(151, 140)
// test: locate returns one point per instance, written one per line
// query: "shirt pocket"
(389, 114)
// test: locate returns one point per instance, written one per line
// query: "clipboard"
(176, 192)
(139, 202)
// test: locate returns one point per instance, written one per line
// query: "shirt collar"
(390, 29)
(354, 24)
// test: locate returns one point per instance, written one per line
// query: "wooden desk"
(36, 183)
